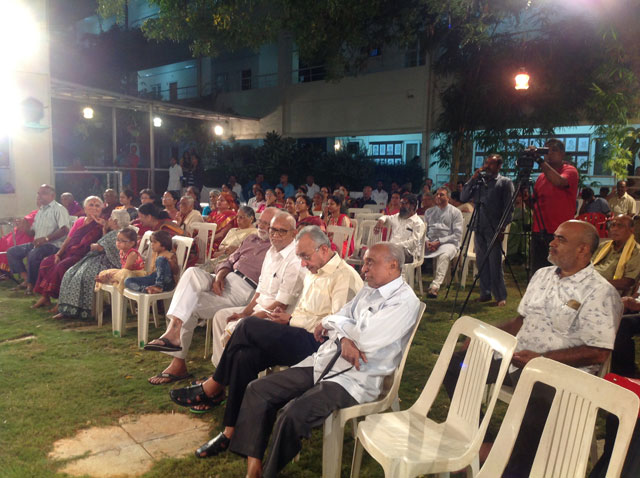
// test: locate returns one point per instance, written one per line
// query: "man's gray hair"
(395, 253)
(121, 216)
(188, 199)
(89, 198)
(318, 237)
(66, 195)
(286, 216)
(446, 190)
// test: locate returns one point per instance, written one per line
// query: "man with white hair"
(365, 342)
(187, 214)
(199, 295)
(444, 233)
(284, 339)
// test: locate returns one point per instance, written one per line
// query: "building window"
(156, 90)
(246, 80)
(386, 153)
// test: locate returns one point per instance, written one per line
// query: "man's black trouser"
(255, 345)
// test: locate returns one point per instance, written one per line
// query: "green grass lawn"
(74, 375)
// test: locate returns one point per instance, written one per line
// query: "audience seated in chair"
(407, 227)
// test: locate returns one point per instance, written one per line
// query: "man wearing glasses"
(285, 339)
(199, 295)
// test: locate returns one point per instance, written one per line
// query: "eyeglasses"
(278, 232)
(307, 257)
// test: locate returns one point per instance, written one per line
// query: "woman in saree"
(337, 218)
(170, 202)
(84, 232)
(153, 219)
(224, 216)
(18, 236)
(304, 216)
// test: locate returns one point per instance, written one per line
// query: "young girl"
(131, 261)
(165, 267)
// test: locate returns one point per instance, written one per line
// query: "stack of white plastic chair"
(366, 237)
(206, 231)
(408, 443)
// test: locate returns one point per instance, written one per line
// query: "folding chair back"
(204, 239)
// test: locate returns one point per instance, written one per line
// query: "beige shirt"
(607, 266)
(325, 293)
(235, 237)
(192, 218)
(624, 205)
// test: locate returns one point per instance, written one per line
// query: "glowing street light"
(522, 80)
(157, 121)
(19, 34)
(218, 130)
(337, 146)
(87, 112)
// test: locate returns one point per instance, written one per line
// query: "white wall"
(31, 148)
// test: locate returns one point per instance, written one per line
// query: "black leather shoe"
(214, 447)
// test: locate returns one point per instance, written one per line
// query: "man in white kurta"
(444, 233)
(407, 228)
(366, 339)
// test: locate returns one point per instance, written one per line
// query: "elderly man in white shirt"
(285, 339)
(366, 339)
(407, 228)
(281, 280)
(444, 233)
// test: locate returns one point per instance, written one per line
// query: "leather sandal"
(213, 447)
(195, 395)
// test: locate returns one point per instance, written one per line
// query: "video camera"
(528, 157)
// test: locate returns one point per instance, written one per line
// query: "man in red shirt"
(554, 196)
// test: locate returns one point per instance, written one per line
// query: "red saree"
(80, 239)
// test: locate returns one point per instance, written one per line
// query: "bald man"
(569, 313)
(618, 260)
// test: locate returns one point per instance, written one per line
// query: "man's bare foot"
(42, 301)
(172, 373)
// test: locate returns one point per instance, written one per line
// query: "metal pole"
(114, 139)
(152, 162)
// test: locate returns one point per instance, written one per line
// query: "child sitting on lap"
(132, 263)
(165, 267)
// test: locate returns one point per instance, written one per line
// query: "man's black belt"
(246, 279)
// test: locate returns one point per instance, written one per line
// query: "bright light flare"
(10, 111)
(337, 146)
(157, 121)
(87, 112)
(20, 35)
(218, 130)
(522, 80)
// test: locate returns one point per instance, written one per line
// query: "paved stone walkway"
(131, 447)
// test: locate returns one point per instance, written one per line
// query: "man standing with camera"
(491, 193)
(554, 200)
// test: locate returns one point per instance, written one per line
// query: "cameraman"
(554, 200)
(491, 194)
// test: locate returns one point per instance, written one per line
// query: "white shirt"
(380, 322)
(175, 173)
(281, 278)
(444, 225)
(407, 233)
(325, 292)
(254, 204)
(49, 219)
(381, 197)
(311, 190)
(238, 190)
(566, 312)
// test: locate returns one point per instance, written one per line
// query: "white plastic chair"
(352, 211)
(366, 237)
(145, 301)
(118, 304)
(368, 216)
(204, 239)
(408, 443)
(333, 431)
(413, 272)
(374, 207)
(471, 255)
(340, 234)
(563, 450)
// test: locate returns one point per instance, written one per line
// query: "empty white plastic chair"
(563, 450)
(145, 301)
(408, 443)
(204, 239)
(412, 272)
(333, 431)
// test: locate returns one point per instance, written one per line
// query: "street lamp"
(157, 121)
(87, 112)
(218, 130)
(522, 80)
